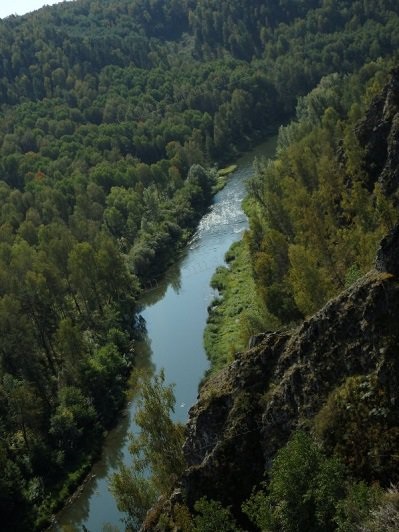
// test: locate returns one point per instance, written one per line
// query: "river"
(175, 312)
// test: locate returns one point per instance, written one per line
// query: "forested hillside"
(299, 432)
(316, 220)
(111, 114)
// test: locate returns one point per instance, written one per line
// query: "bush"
(386, 516)
(303, 491)
(212, 517)
(354, 509)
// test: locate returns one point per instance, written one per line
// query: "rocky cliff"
(249, 410)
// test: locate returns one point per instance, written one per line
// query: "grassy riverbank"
(237, 313)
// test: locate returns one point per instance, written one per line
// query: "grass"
(227, 170)
(222, 177)
(237, 313)
(221, 182)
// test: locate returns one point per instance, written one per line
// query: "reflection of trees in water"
(108, 527)
(143, 364)
(77, 513)
(112, 455)
(140, 327)
(116, 441)
(114, 444)
(173, 277)
(155, 289)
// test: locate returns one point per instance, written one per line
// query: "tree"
(156, 451)
(14, 507)
(354, 510)
(25, 414)
(73, 417)
(212, 516)
(103, 376)
(303, 490)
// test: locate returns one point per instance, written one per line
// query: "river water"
(175, 313)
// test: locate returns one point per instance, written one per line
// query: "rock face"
(225, 426)
(378, 134)
(248, 411)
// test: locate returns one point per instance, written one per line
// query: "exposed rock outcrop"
(248, 411)
(388, 253)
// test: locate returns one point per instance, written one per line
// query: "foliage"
(315, 227)
(105, 107)
(134, 493)
(359, 424)
(303, 489)
(354, 510)
(183, 518)
(156, 452)
(222, 172)
(309, 491)
(14, 503)
(211, 516)
(386, 515)
(236, 314)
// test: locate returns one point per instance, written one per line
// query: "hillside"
(112, 116)
(317, 212)
(300, 432)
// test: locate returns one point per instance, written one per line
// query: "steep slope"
(336, 375)
(249, 410)
(378, 134)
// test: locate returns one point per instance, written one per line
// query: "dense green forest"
(315, 224)
(111, 114)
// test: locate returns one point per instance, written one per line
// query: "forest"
(113, 117)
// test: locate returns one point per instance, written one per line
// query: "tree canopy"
(111, 113)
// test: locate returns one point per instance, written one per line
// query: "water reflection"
(156, 289)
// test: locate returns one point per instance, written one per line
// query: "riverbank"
(237, 312)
